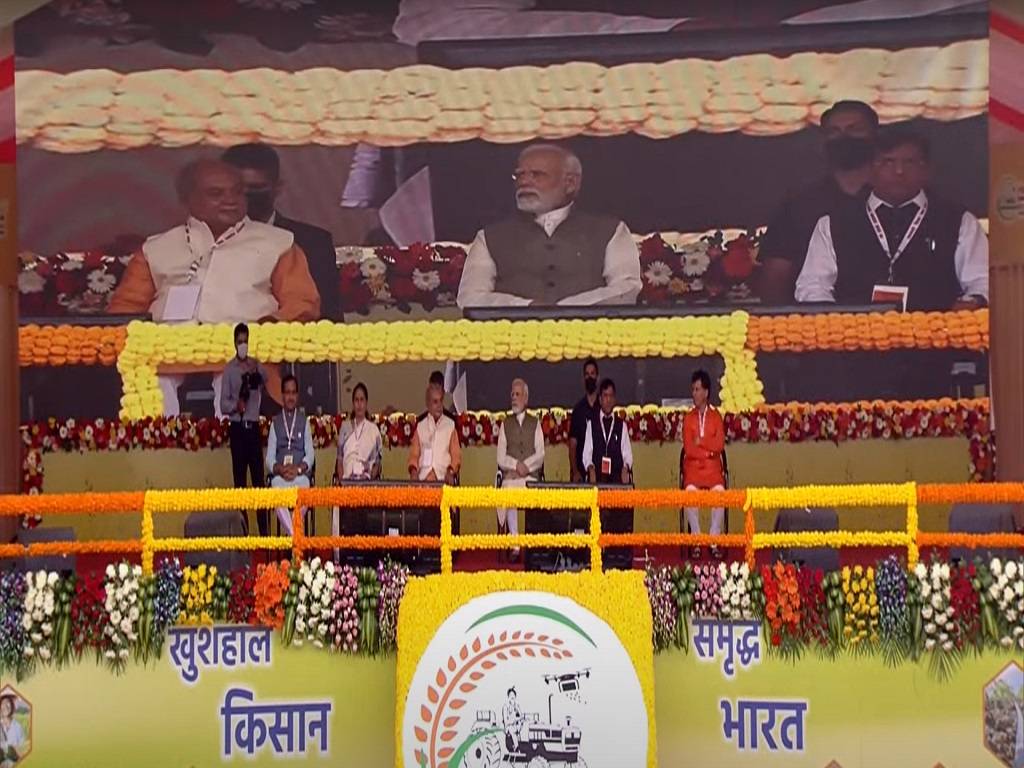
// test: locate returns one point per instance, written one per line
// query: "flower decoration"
(936, 614)
(241, 601)
(815, 626)
(343, 623)
(167, 589)
(707, 599)
(894, 626)
(965, 607)
(662, 591)
(123, 608)
(860, 625)
(39, 615)
(272, 583)
(392, 578)
(1004, 590)
(782, 610)
(197, 594)
(13, 588)
(737, 587)
(317, 580)
(368, 600)
(89, 615)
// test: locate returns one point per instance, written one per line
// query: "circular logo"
(525, 679)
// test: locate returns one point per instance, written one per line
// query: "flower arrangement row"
(121, 614)
(939, 608)
(58, 345)
(783, 423)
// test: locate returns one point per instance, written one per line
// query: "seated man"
(901, 238)
(217, 267)
(550, 252)
(435, 453)
(290, 453)
(437, 380)
(520, 454)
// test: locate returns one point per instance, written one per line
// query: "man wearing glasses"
(549, 252)
(902, 240)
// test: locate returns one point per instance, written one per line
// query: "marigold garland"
(201, 500)
(497, 541)
(913, 553)
(671, 540)
(647, 499)
(812, 539)
(869, 331)
(986, 493)
(57, 345)
(972, 540)
(103, 547)
(361, 496)
(72, 504)
(312, 543)
(222, 543)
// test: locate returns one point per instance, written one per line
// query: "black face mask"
(261, 204)
(590, 385)
(847, 153)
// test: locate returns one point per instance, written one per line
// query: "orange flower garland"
(971, 540)
(646, 499)
(73, 504)
(869, 331)
(975, 493)
(272, 581)
(357, 496)
(58, 345)
(371, 542)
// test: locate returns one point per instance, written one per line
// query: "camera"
(250, 381)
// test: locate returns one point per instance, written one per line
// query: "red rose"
(738, 261)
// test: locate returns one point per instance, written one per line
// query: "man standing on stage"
(241, 392)
(582, 414)
(703, 444)
(607, 452)
(608, 457)
(290, 453)
(520, 454)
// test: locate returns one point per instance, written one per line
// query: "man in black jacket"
(261, 174)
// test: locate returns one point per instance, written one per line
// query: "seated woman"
(360, 449)
(703, 443)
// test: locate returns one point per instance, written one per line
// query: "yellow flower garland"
(618, 597)
(865, 495)
(221, 498)
(149, 345)
(222, 543)
(147, 537)
(913, 552)
(835, 539)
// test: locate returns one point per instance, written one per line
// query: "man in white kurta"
(435, 453)
(520, 454)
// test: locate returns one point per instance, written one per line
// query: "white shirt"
(621, 271)
(533, 462)
(624, 445)
(435, 439)
(817, 279)
(420, 20)
(307, 448)
(360, 448)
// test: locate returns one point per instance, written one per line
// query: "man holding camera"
(240, 395)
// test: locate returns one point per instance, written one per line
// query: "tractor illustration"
(522, 739)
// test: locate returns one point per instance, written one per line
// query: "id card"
(606, 465)
(890, 294)
(181, 303)
(288, 460)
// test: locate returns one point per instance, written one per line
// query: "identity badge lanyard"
(197, 261)
(884, 241)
